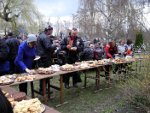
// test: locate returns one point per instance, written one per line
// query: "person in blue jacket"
(4, 63)
(25, 57)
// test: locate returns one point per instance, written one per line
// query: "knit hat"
(31, 38)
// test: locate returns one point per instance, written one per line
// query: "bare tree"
(111, 18)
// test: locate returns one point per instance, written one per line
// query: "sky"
(55, 8)
(61, 8)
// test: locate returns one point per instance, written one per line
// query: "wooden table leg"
(32, 90)
(85, 79)
(49, 95)
(109, 79)
(97, 78)
(44, 90)
(61, 90)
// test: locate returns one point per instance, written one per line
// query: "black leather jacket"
(45, 46)
(72, 56)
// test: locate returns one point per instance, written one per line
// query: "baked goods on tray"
(84, 65)
(67, 67)
(29, 106)
(118, 60)
(4, 80)
(25, 78)
(45, 70)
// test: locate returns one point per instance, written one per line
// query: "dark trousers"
(75, 78)
(41, 85)
(76, 75)
(23, 87)
(44, 62)
(12, 66)
(107, 71)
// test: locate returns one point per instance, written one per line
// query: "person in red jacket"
(110, 51)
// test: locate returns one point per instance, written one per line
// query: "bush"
(136, 91)
(139, 40)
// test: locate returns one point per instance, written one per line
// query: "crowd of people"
(17, 56)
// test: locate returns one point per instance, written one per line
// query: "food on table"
(84, 65)
(29, 106)
(25, 78)
(45, 70)
(93, 63)
(104, 61)
(4, 80)
(12, 76)
(55, 67)
(119, 60)
(10, 98)
(18, 96)
(67, 67)
(100, 62)
(130, 59)
(77, 63)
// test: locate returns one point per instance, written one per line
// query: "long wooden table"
(61, 74)
(13, 91)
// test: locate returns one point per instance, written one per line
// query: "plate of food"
(5, 80)
(29, 106)
(25, 78)
(42, 108)
(67, 67)
(45, 71)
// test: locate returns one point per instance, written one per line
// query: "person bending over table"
(25, 57)
(111, 50)
(72, 45)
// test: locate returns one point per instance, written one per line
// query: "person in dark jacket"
(5, 106)
(88, 53)
(73, 45)
(25, 57)
(4, 63)
(13, 44)
(45, 49)
(98, 52)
